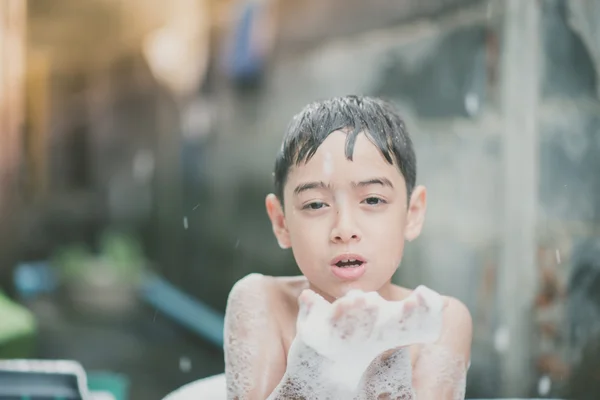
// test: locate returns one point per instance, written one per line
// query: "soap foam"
(354, 330)
(305, 377)
(246, 316)
(445, 372)
(388, 378)
(341, 349)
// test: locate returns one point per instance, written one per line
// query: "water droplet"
(196, 206)
(502, 339)
(143, 165)
(472, 104)
(185, 223)
(185, 364)
(557, 256)
(544, 385)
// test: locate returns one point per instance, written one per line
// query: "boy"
(345, 202)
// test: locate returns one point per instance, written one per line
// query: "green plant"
(71, 260)
(121, 255)
(124, 254)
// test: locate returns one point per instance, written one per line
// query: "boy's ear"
(277, 217)
(416, 213)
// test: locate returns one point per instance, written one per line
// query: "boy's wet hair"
(355, 114)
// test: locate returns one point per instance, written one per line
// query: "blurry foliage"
(120, 254)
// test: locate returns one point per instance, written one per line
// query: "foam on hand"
(355, 329)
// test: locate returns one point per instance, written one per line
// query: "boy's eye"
(316, 205)
(373, 201)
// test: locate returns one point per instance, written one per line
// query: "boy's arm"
(441, 369)
(256, 364)
(439, 372)
(255, 359)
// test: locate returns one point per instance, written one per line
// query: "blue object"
(184, 309)
(34, 278)
(245, 62)
(113, 383)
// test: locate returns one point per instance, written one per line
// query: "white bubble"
(502, 339)
(544, 385)
(185, 223)
(185, 364)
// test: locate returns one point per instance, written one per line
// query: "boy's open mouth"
(348, 260)
(348, 267)
(350, 263)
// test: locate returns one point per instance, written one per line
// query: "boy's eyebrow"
(310, 185)
(322, 185)
(374, 181)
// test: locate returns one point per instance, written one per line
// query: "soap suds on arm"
(255, 361)
(441, 370)
(355, 348)
(254, 358)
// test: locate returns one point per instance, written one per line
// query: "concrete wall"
(444, 74)
(446, 114)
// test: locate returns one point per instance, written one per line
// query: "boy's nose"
(345, 231)
(344, 238)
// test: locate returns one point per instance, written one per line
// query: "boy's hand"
(369, 322)
(355, 329)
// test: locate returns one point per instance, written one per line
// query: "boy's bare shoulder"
(268, 287)
(452, 306)
(251, 286)
(458, 321)
(458, 325)
(456, 308)
(457, 318)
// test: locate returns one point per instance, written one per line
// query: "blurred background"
(137, 143)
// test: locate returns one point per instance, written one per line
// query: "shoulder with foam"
(456, 309)
(248, 283)
(253, 286)
(458, 323)
(248, 306)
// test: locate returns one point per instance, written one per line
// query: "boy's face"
(346, 221)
